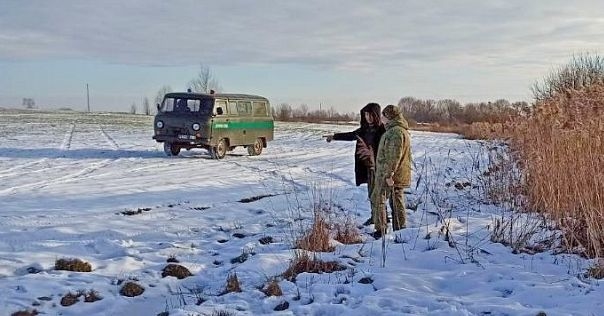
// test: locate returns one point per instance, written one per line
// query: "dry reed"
(560, 152)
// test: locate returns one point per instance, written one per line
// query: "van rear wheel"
(256, 148)
(171, 149)
(220, 150)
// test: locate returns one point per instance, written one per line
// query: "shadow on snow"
(84, 153)
(92, 153)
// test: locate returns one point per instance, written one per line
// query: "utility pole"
(88, 98)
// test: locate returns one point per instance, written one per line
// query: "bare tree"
(160, 94)
(29, 103)
(284, 112)
(204, 81)
(133, 108)
(521, 107)
(331, 112)
(300, 112)
(146, 107)
(451, 109)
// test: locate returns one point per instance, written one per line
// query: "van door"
(263, 125)
(245, 124)
(219, 128)
(234, 131)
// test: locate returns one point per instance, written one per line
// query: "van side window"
(220, 104)
(233, 108)
(259, 108)
(244, 107)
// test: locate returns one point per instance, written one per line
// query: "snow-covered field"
(67, 180)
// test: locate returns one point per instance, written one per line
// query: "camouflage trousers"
(396, 198)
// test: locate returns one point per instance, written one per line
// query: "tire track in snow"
(64, 179)
(283, 172)
(74, 176)
(89, 169)
(65, 144)
(110, 140)
(67, 139)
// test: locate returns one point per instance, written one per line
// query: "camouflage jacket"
(394, 155)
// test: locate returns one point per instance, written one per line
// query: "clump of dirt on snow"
(131, 289)
(25, 313)
(73, 264)
(177, 271)
(69, 299)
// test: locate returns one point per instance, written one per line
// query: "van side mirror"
(219, 111)
(158, 106)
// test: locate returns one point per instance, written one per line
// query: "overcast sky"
(338, 53)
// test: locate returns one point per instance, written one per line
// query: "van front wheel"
(220, 150)
(171, 149)
(256, 148)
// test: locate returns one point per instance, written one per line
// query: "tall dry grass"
(560, 149)
(318, 236)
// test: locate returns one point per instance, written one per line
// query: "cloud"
(358, 35)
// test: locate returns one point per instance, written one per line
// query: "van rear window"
(259, 108)
(183, 105)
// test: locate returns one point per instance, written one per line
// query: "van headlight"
(159, 124)
(195, 126)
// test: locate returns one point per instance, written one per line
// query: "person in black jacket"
(368, 138)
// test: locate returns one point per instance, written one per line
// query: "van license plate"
(186, 137)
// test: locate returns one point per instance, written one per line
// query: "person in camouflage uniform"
(393, 172)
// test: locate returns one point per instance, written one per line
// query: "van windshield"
(184, 105)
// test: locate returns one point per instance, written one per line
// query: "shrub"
(232, 284)
(583, 71)
(302, 262)
(597, 270)
(347, 233)
(318, 236)
(272, 289)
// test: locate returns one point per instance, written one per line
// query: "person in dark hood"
(367, 139)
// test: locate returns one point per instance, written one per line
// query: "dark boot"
(376, 235)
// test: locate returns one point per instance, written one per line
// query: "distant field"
(62, 117)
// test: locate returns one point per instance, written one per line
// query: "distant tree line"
(451, 112)
(443, 112)
(287, 113)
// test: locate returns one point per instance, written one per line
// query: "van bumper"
(181, 139)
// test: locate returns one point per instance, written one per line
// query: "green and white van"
(216, 122)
